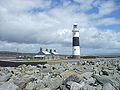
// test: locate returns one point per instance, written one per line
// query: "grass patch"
(12, 59)
(44, 60)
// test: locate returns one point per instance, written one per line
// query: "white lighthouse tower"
(75, 43)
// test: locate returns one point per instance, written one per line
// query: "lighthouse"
(75, 43)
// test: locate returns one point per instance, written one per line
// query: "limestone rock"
(30, 86)
(45, 89)
(103, 80)
(76, 86)
(88, 87)
(68, 73)
(90, 81)
(105, 72)
(5, 70)
(64, 75)
(118, 67)
(69, 83)
(87, 75)
(5, 77)
(54, 83)
(38, 84)
(9, 86)
(21, 82)
(99, 87)
(63, 87)
(108, 86)
(73, 77)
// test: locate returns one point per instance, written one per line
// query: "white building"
(45, 54)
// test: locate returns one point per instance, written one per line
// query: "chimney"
(40, 49)
(50, 50)
(54, 50)
(46, 49)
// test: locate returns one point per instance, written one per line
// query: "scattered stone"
(68, 73)
(87, 75)
(68, 84)
(5, 77)
(105, 72)
(103, 80)
(30, 86)
(63, 87)
(5, 70)
(45, 89)
(99, 87)
(97, 74)
(118, 67)
(9, 86)
(54, 83)
(76, 86)
(21, 82)
(108, 86)
(87, 87)
(73, 77)
(90, 81)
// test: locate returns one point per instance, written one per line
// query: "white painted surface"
(76, 34)
(39, 56)
(75, 30)
(76, 50)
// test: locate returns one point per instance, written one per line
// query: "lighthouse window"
(75, 26)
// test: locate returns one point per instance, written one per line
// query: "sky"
(27, 25)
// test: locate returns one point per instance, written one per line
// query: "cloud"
(99, 39)
(106, 21)
(35, 23)
(85, 4)
(104, 8)
(18, 6)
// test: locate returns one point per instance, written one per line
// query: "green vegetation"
(43, 60)
(14, 54)
(53, 75)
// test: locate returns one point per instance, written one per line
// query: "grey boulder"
(54, 83)
(90, 81)
(76, 86)
(5, 77)
(108, 86)
(104, 80)
(118, 67)
(87, 75)
(22, 82)
(9, 86)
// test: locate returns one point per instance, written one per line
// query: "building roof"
(47, 53)
(54, 53)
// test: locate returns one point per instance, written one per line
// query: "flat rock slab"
(9, 86)
(68, 73)
(76, 86)
(87, 75)
(5, 77)
(104, 80)
(108, 86)
(54, 83)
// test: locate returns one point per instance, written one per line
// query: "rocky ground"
(100, 74)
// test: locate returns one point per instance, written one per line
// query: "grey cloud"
(54, 26)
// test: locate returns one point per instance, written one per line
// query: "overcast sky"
(31, 24)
